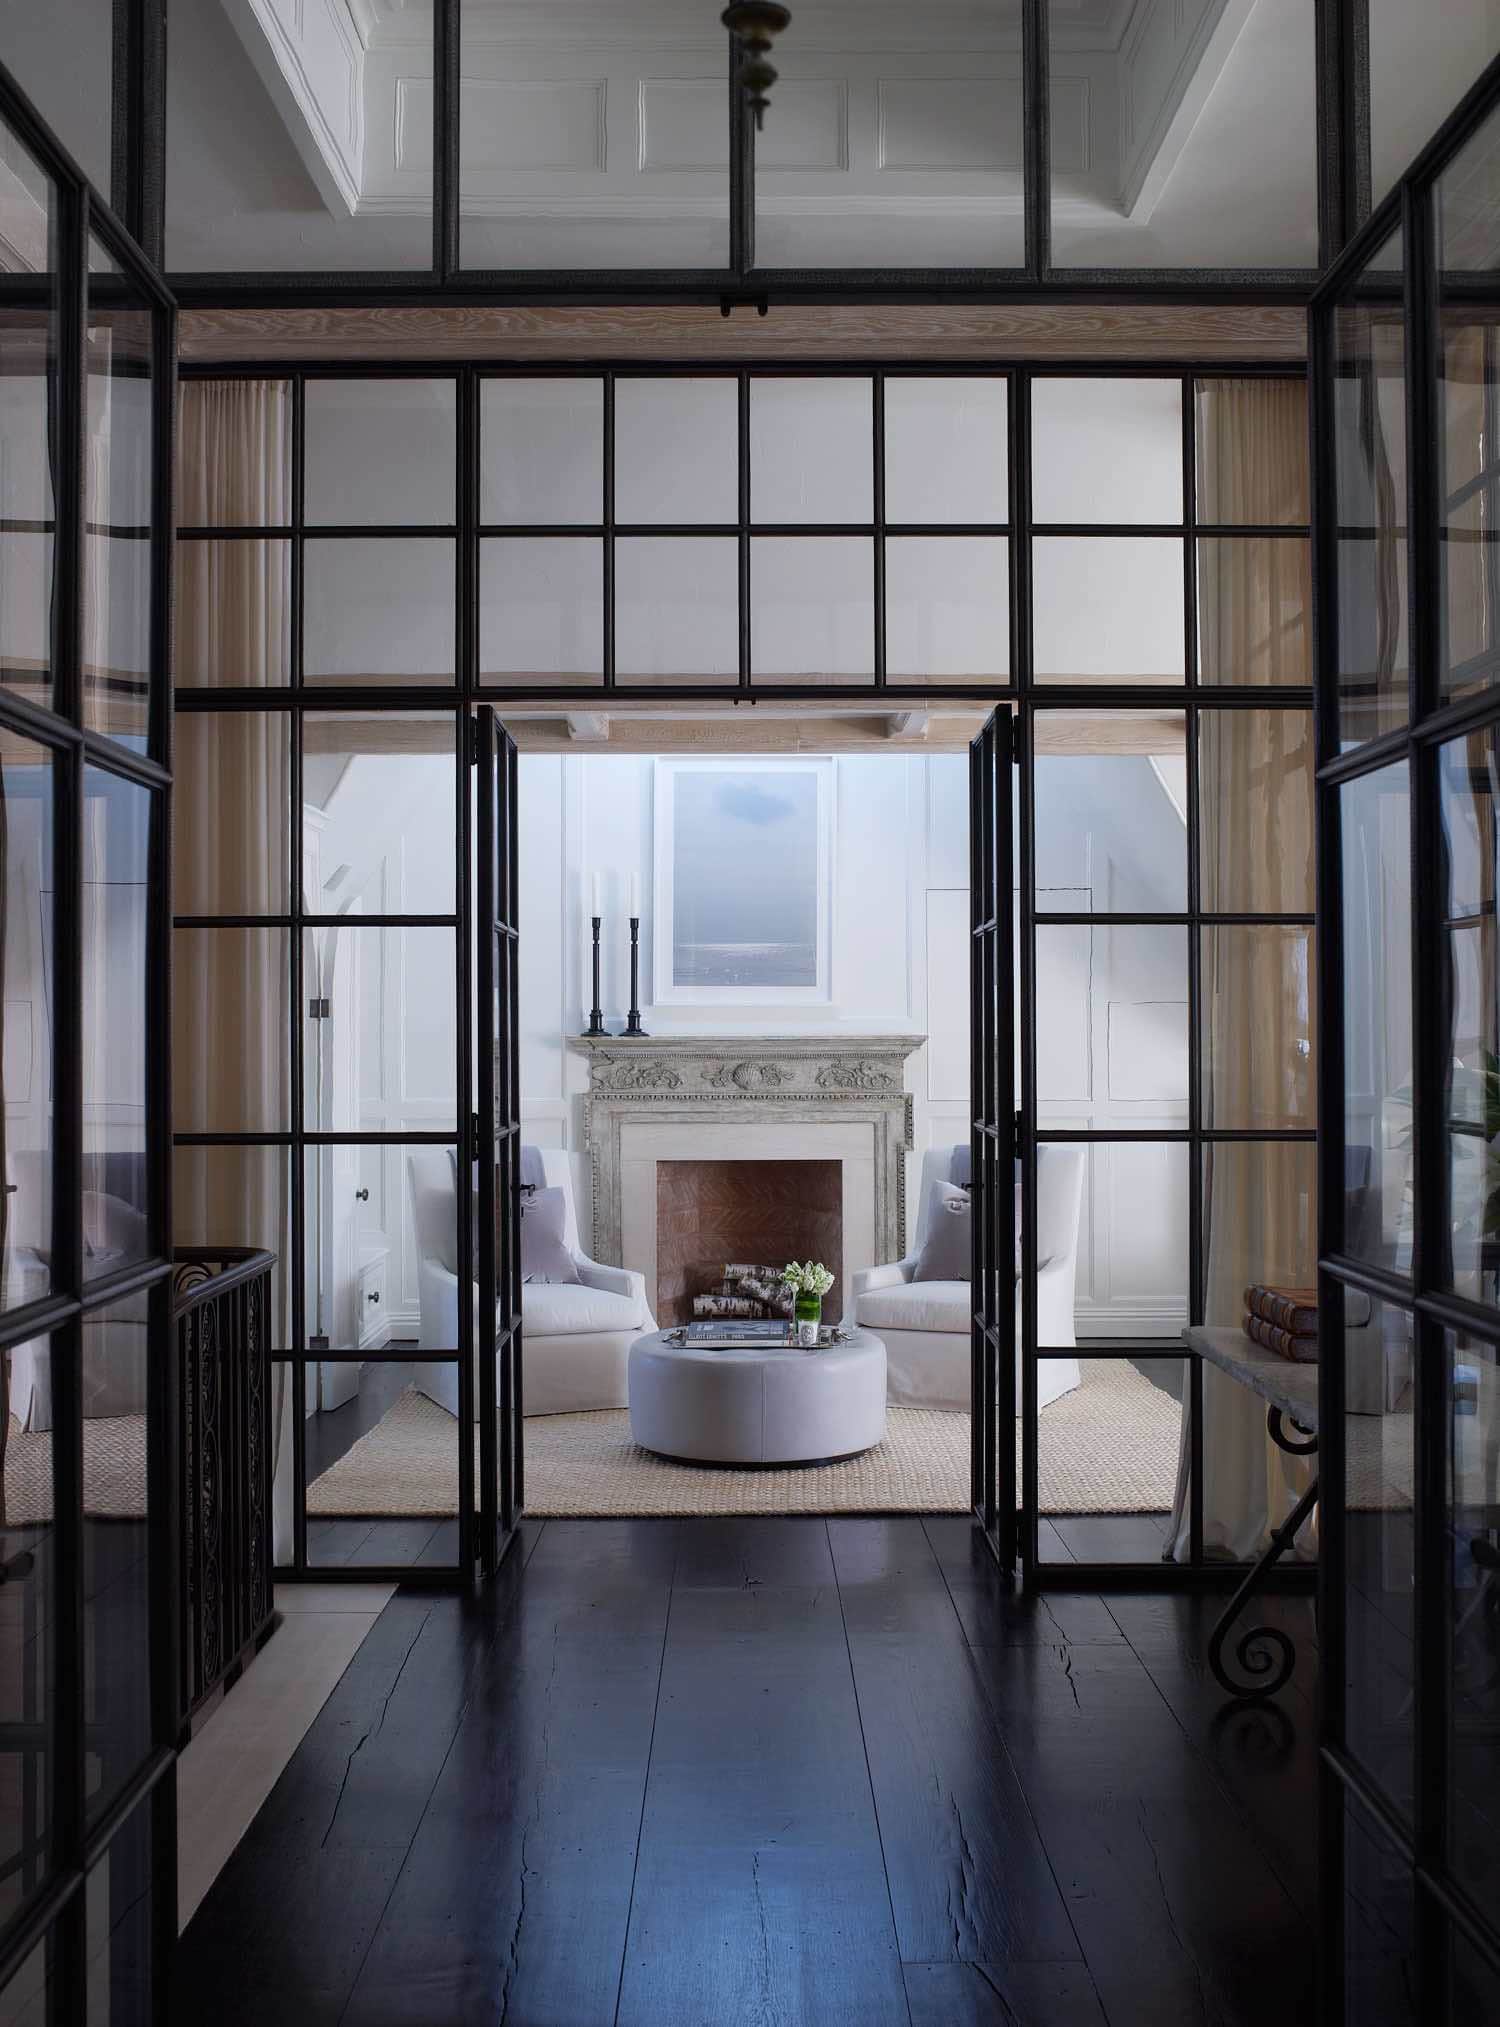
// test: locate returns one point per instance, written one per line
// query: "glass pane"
(812, 605)
(1114, 1046)
(1422, 61)
(594, 141)
(28, 1620)
(1255, 812)
(1110, 812)
(947, 608)
(677, 608)
(541, 451)
(1258, 1009)
(1474, 1985)
(383, 1057)
(1370, 481)
(120, 1921)
(947, 449)
(62, 59)
(297, 149)
(117, 818)
(1260, 1223)
(1107, 1458)
(26, 998)
(232, 615)
(541, 610)
(1136, 1285)
(1185, 148)
(1379, 1926)
(1472, 1372)
(1251, 446)
(234, 454)
(238, 1196)
(811, 450)
(379, 610)
(27, 423)
(1255, 610)
(29, 1995)
(1379, 1666)
(380, 1267)
(1468, 255)
(1108, 607)
(1106, 450)
(231, 813)
(866, 162)
(1467, 782)
(1375, 814)
(231, 1031)
(116, 1562)
(117, 474)
(381, 451)
(382, 1463)
(677, 450)
(378, 813)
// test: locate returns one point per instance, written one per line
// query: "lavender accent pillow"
(544, 1256)
(946, 1254)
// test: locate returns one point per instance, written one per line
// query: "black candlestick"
(633, 1024)
(596, 1012)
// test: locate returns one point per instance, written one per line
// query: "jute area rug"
(1110, 1446)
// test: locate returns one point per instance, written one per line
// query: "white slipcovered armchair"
(575, 1336)
(925, 1324)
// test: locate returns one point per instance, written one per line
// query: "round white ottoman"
(697, 1405)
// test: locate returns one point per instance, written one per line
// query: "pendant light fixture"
(755, 24)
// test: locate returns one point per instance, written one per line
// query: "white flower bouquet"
(807, 1277)
(809, 1281)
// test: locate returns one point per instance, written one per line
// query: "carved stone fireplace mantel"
(789, 1097)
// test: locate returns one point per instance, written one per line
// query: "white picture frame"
(730, 822)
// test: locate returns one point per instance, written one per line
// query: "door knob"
(362, 1196)
(374, 1296)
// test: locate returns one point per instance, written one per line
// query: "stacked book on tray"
(1284, 1320)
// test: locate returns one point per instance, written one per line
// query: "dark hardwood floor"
(792, 1773)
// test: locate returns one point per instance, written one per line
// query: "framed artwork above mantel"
(743, 882)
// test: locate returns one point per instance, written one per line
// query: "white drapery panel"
(230, 1005)
(1255, 776)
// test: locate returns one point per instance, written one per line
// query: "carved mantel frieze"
(854, 1080)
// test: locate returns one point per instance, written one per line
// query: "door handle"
(374, 1296)
(361, 1196)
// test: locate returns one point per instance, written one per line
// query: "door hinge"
(1015, 739)
(320, 1009)
(473, 724)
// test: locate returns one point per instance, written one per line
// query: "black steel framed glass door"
(497, 1141)
(992, 1135)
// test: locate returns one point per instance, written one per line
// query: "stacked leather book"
(1284, 1320)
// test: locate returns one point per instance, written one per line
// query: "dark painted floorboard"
(792, 1773)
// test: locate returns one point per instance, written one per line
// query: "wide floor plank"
(969, 1878)
(513, 1901)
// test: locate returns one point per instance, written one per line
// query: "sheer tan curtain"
(231, 844)
(1255, 777)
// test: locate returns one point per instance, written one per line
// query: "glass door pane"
(589, 141)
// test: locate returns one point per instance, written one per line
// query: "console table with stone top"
(1266, 1654)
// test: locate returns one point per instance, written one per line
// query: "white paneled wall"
(900, 858)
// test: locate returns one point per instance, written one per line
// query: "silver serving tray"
(729, 1337)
